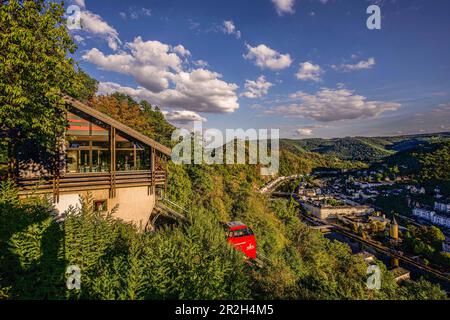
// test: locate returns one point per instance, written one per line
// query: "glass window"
(124, 160)
(72, 161)
(100, 144)
(242, 233)
(100, 160)
(87, 146)
(78, 126)
(131, 155)
(84, 161)
(143, 159)
(78, 144)
(99, 129)
(124, 145)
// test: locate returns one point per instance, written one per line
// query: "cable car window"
(237, 234)
(242, 233)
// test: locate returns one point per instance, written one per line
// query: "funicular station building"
(119, 167)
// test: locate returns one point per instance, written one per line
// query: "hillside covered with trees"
(365, 149)
(184, 260)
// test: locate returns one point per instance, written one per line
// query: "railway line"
(380, 248)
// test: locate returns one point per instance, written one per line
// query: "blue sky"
(308, 67)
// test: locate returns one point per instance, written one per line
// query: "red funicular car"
(241, 237)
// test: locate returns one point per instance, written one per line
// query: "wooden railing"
(91, 181)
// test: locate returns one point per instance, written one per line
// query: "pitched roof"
(118, 125)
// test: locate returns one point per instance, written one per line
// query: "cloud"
(363, 64)
(332, 105)
(284, 6)
(200, 63)
(150, 63)
(267, 58)
(256, 89)
(94, 24)
(182, 116)
(79, 3)
(193, 25)
(79, 39)
(182, 51)
(199, 91)
(134, 13)
(228, 27)
(305, 132)
(256, 106)
(309, 71)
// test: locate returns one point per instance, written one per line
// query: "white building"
(432, 217)
(442, 207)
(446, 246)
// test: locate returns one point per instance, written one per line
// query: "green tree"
(35, 73)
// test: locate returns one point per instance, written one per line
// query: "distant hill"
(297, 158)
(365, 149)
(428, 162)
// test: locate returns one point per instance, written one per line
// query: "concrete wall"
(135, 204)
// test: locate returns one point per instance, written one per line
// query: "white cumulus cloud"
(309, 71)
(182, 116)
(332, 105)
(256, 89)
(361, 65)
(228, 27)
(284, 6)
(160, 73)
(182, 51)
(267, 58)
(305, 132)
(95, 25)
(79, 3)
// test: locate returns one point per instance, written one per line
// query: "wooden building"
(119, 166)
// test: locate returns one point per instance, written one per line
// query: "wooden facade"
(104, 154)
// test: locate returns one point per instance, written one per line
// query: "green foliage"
(422, 290)
(116, 261)
(355, 149)
(428, 163)
(30, 247)
(426, 241)
(85, 87)
(190, 261)
(35, 71)
(139, 116)
(294, 160)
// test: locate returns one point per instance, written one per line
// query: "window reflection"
(131, 155)
(88, 148)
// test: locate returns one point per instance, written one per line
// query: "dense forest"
(428, 165)
(189, 260)
(365, 149)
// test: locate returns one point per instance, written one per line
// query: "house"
(120, 167)
(446, 245)
(368, 257)
(442, 207)
(400, 274)
(432, 217)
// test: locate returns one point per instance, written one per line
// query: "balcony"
(91, 181)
